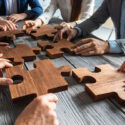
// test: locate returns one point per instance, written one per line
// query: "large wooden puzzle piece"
(45, 78)
(20, 53)
(105, 82)
(11, 35)
(56, 50)
(43, 31)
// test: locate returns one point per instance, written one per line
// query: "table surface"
(74, 107)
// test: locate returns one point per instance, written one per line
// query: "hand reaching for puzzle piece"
(4, 63)
(41, 111)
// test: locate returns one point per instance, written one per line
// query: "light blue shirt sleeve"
(114, 47)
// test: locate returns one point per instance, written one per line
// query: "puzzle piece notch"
(11, 35)
(56, 50)
(43, 31)
(105, 82)
(20, 53)
(45, 78)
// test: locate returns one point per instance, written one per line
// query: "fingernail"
(10, 82)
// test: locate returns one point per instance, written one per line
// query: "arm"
(49, 12)
(95, 21)
(87, 10)
(36, 9)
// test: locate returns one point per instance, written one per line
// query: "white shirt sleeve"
(87, 10)
(49, 12)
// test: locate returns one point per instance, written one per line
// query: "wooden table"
(75, 107)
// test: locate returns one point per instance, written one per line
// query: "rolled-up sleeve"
(36, 9)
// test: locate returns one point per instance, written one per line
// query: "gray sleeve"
(96, 20)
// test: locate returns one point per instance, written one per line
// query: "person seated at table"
(17, 10)
(41, 111)
(72, 11)
(91, 46)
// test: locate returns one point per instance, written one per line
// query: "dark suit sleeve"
(36, 9)
(96, 20)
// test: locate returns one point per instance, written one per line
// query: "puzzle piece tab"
(56, 50)
(45, 78)
(11, 35)
(105, 82)
(20, 53)
(43, 31)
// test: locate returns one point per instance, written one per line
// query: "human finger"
(89, 53)
(6, 81)
(83, 47)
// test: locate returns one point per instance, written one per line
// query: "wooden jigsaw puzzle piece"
(105, 82)
(11, 35)
(20, 53)
(25, 88)
(107, 89)
(56, 50)
(45, 78)
(42, 31)
(101, 73)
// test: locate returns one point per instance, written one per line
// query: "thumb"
(6, 81)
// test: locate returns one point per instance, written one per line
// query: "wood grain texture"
(43, 31)
(20, 53)
(45, 78)
(106, 80)
(56, 50)
(11, 35)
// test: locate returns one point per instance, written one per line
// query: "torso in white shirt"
(11, 6)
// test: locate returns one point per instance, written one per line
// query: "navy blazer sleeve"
(36, 9)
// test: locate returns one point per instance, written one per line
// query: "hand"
(17, 17)
(69, 25)
(4, 63)
(6, 25)
(41, 111)
(32, 24)
(66, 33)
(91, 46)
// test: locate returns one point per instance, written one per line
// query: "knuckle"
(39, 101)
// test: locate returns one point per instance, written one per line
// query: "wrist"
(39, 21)
(24, 15)
(73, 24)
(107, 47)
